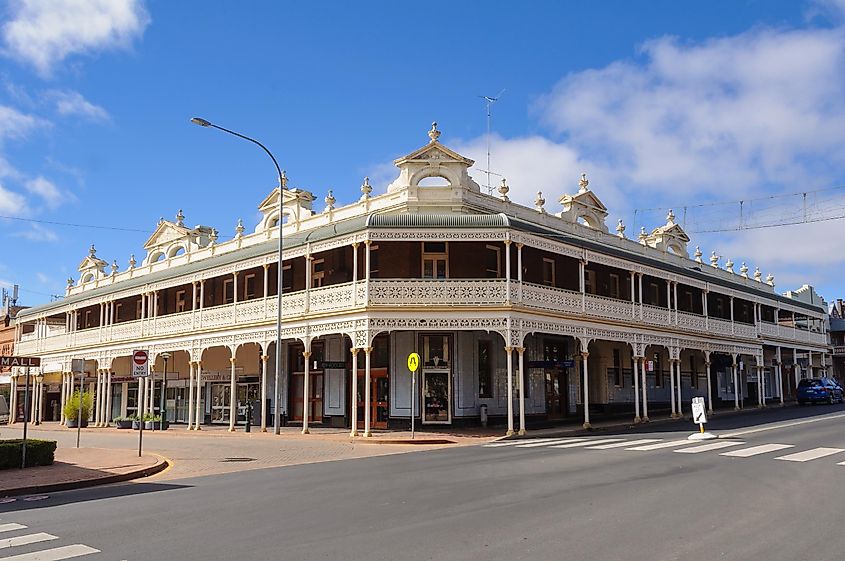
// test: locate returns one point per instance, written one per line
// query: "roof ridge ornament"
(239, 229)
(729, 266)
(643, 236)
(180, 218)
(539, 202)
(132, 261)
(714, 260)
(366, 189)
(330, 201)
(758, 276)
(92, 251)
(503, 190)
(620, 229)
(583, 183)
(698, 254)
(744, 270)
(433, 134)
(283, 179)
(670, 218)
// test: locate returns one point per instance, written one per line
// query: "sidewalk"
(80, 467)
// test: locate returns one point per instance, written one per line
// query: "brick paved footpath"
(214, 450)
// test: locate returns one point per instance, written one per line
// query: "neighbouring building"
(533, 313)
(837, 338)
(8, 313)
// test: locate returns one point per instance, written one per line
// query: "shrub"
(71, 408)
(38, 453)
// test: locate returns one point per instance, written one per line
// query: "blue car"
(815, 390)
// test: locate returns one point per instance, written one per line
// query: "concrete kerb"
(161, 465)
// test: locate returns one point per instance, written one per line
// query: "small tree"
(71, 409)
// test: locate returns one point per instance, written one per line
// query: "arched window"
(178, 250)
(88, 277)
(157, 257)
(434, 181)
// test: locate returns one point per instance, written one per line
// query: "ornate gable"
(584, 205)
(92, 267)
(433, 160)
(173, 238)
(297, 204)
(670, 238)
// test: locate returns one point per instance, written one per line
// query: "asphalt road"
(499, 502)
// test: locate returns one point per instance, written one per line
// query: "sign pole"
(25, 418)
(413, 365)
(79, 420)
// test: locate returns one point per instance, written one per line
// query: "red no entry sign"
(140, 360)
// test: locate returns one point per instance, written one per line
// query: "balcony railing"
(413, 292)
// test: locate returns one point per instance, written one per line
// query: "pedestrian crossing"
(18, 544)
(726, 448)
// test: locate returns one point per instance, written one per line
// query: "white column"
(640, 298)
(636, 363)
(306, 395)
(645, 389)
(519, 270)
(736, 384)
(355, 276)
(233, 394)
(582, 284)
(367, 276)
(731, 301)
(198, 410)
(33, 405)
(633, 296)
(353, 395)
(521, 351)
(508, 273)
(191, 368)
(61, 400)
(672, 387)
(264, 359)
(584, 356)
(13, 400)
(709, 388)
(761, 387)
(102, 400)
(680, 387)
(108, 398)
(367, 393)
(509, 359)
(780, 372)
(98, 398)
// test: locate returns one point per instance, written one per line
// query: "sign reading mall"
(20, 361)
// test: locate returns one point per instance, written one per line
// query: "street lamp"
(282, 185)
(161, 410)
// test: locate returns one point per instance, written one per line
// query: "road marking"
(808, 455)
(549, 442)
(785, 425)
(754, 450)
(623, 444)
(11, 526)
(585, 443)
(26, 540)
(707, 447)
(55, 554)
(514, 442)
(670, 444)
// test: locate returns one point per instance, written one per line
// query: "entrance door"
(220, 403)
(379, 398)
(556, 392)
(436, 397)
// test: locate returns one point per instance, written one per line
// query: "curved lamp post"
(282, 185)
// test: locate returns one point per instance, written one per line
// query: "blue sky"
(663, 103)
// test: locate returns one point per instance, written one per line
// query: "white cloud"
(12, 203)
(52, 196)
(43, 33)
(14, 124)
(37, 233)
(69, 103)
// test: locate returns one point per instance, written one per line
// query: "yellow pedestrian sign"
(413, 362)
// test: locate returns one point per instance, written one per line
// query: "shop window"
(485, 369)
(436, 351)
(548, 271)
(435, 260)
(318, 272)
(249, 286)
(493, 258)
(180, 301)
(228, 291)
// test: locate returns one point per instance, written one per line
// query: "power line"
(73, 225)
(736, 202)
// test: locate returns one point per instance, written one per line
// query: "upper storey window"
(435, 260)
(548, 272)
(493, 266)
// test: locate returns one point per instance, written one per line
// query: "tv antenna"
(489, 101)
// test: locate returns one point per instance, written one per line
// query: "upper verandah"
(581, 219)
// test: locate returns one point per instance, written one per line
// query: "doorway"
(557, 393)
(315, 383)
(436, 378)
(379, 402)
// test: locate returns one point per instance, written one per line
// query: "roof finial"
(92, 251)
(434, 134)
(330, 200)
(698, 254)
(239, 229)
(583, 183)
(670, 218)
(180, 218)
(69, 282)
(132, 261)
(744, 270)
(620, 229)
(729, 265)
(643, 236)
(758, 276)
(366, 189)
(283, 179)
(770, 279)
(714, 260)
(113, 266)
(539, 202)
(212, 237)
(503, 190)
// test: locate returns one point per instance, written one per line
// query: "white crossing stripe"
(585, 443)
(670, 444)
(514, 442)
(623, 444)
(11, 526)
(55, 554)
(708, 447)
(26, 540)
(549, 442)
(754, 450)
(808, 455)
